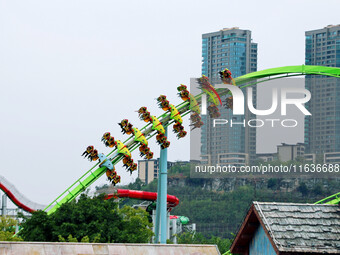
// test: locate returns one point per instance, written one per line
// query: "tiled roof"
(305, 228)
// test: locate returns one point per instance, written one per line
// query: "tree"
(303, 189)
(93, 220)
(197, 238)
(7, 229)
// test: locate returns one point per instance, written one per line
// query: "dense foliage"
(89, 220)
(7, 229)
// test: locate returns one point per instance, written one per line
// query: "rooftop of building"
(293, 228)
(322, 29)
(232, 29)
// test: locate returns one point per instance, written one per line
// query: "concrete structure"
(331, 158)
(310, 158)
(287, 152)
(290, 229)
(25, 248)
(322, 129)
(148, 169)
(267, 157)
(230, 48)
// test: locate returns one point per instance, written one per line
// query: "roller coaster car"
(157, 125)
(121, 148)
(93, 155)
(139, 136)
(165, 145)
(229, 103)
(175, 115)
(88, 150)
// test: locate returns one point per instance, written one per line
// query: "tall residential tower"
(322, 129)
(230, 48)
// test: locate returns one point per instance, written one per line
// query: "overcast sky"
(70, 70)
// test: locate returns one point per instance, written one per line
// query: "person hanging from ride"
(116, 180)
(182, 87)
(226, 76)
(177, 127)
(229, 103)
(93, 155)
(123, 123)
(111, 142)
(149, 155)
(194, 117)
(166, 144)
(163, 102)
(127, 161)
(183, 92)
(106, 137)
(181, 134)
(111, 174)
(161, 138)
(144, 150)
(133, 167)
(142, 110)
(88, 150)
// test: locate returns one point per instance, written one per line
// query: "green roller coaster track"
(184, 108)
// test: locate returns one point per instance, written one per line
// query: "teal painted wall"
(260, 244)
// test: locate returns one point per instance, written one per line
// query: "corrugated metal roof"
(302, 227)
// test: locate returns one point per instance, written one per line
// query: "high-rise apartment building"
(230, 48)
(322, 129)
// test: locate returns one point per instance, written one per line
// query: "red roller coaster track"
(143, 195)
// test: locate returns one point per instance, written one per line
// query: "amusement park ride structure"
(158, 126)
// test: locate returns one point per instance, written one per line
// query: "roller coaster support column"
(162, 191)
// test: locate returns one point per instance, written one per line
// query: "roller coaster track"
(331, 200)
(184, 108)
(18, 198)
